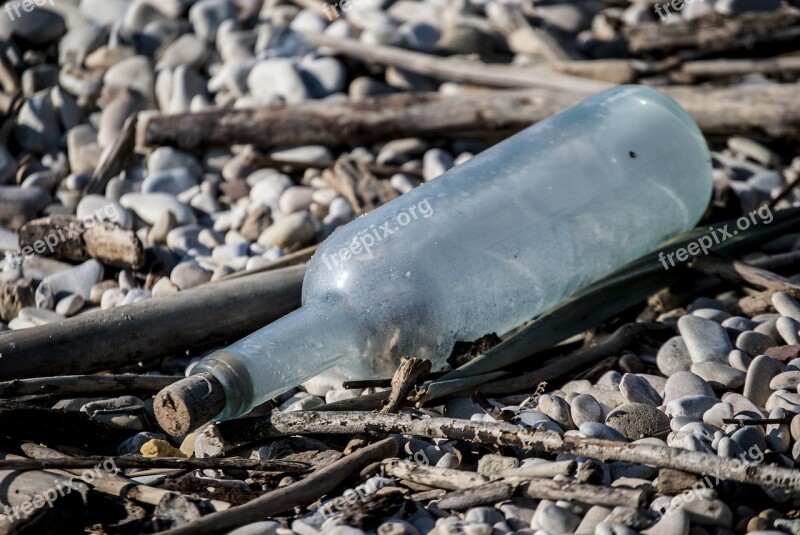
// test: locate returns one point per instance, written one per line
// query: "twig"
(411, 372)
(85, 384)
(137, 461)
(505, 434)
(304, 491)
(117, 158)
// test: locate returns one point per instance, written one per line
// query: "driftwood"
(505, 434)
(410, 373)
(720, 68)
(205, 316)
(490, 493)
(145, 463)
(283, 499)
(716, 33)
(569, 75)
(739, 272)
(116, 159)
(259, 160)
(112, 483)
(540, 489)
(748, 110)
(85, 384)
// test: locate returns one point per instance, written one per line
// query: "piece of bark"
(504, 434)
(358, 186)
(716, 33)
(63, 231)
(490, 493)
(15, 295)
(411, 372)
(672, 482)
(206, 316)
(112, 245)
(283, 499)
(116, 159)
(770, 109)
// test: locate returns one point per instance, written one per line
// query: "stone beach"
(721, 377)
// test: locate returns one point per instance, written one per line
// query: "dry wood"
(138, 461)
(86, 384)
(751, 109)
(411, 372)
(292, 259)
(25, 494)
(109, 339)
(304, 491)
(476, 72)
(256, 159)
(490, 493)
(112, 483)
(716, 68)
(505, 434)
(541, 489)
(716, 33)
(116, 159)
(186, 405)
(741, 273)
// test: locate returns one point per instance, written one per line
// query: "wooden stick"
(505, 434)
(770, 109)
(115, 159)
(301, 165)
(138, 461)
(459, 70)
(410, 373)
(739, 272)
(716, 68)
(490, 493)
(186, 405)
(201, 317)
(304, 491)
(86, 384)
(113, 483)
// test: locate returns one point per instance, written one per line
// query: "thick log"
(749, 110)
(210, 315)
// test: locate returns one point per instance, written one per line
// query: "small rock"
(759, 375)
(683, 384)
(585, 408)
(754, 343)
(637, 389)
(638, 420)
(706, 340)
(601, 431)
(290, 232)
(494, 464)
(673, 356)
(188, 275)
(719, 375)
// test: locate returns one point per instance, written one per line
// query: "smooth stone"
(70, 305)
(188, 275)
(38, 26)
(267, 186)
(706, 340)
(638, 420)
(77, 280)
(187, 49)
(637, 389)
(39, 316)
(739, 360)
(206, 16)
(719, 375)
(759, 375)
(102, 209)
(295, 199)
(786, 305)
(750, 437)
(114, 115)
(788, 329)
(716, 414)
(673, 356)
(705, 512)
(711, 314)
(739, 323)
(494, 464)
(466, 39)
(585, 408)
(311, 153)
(290, 232)
(149, 206)
(742, 405)
(557, 409)
(164, 287)
(173, 181)
(167, 158)
(694, 406)
(436, 162)
(323, 75)
(754, 343)
(37, 128)
(277, 78)
(684, 384)
(601, 431)
(675, 522)
(134, 73)
(555, 520)
(778, 436)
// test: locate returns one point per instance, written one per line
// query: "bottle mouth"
(233, 377)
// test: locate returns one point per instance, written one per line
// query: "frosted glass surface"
(495, 242)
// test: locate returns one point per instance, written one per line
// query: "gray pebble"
(436, 162)
(719, 376)
(705, 340)
(759, 375)
(637, 389)
(754, 343)
(788, 329)
(711, 314)
(555, 520)
(188, 275)
(739, 323)
(684, 384)
(786, 305)
(638, 420)
(740, 360)
(693, 406)
(601, 431)
(585, 408)
(149, 207)
(673, 356)
(77, 280)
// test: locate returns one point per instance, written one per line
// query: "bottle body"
(498, 240)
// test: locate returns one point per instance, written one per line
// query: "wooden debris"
(411, 372)
(94, 385)
(15, 295)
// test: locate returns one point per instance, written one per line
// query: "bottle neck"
(282, 355)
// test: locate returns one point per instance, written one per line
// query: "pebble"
(705, 340)
(788, 329)
(555, 520)
(754, 343)
(694, 406)
(638, 420)
(786, 305)
(673, 356)
(759, 375)
(637, 389)
(150, 206)
(436, 162)
(585, 408)
(719, 376)
(684, 384)
(172, 181)
(601, 431)
(290, 232)
(188, 275)
(70, 305)
(494, 464)
(277, 79)
(77, 280)
(717, 413)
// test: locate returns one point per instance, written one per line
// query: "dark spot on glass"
(632, 154)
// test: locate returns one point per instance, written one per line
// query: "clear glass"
(485, 247)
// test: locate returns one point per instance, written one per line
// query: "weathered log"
(85, 384)
(770, 109)
(205, 316)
